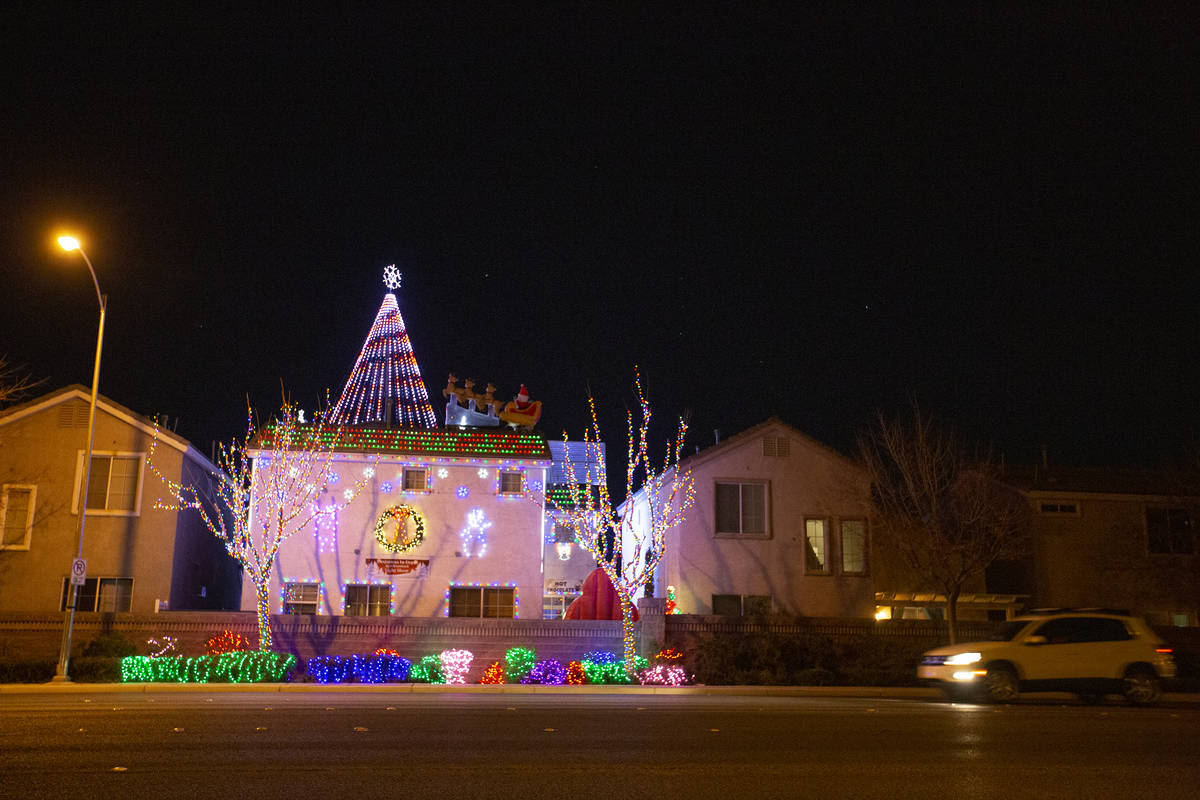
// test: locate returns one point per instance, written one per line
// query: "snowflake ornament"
(391, 277)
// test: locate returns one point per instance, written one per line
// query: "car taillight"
(1164, 650)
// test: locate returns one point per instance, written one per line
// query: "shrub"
(517, 663)
(110, 644)
(95, 669)
(871, 660)
(427, 670)
(14, 671)
(764, 657)
(363, 669)
(550, 672)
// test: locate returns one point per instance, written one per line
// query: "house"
(451, 521)
(1119, 538)
(780, 523)
(139, 558)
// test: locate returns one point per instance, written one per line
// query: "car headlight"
(964, 658)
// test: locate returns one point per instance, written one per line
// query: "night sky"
(771, 209)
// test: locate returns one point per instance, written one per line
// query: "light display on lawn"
(385, 384)
(587, 507)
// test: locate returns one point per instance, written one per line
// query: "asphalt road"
(380, 744)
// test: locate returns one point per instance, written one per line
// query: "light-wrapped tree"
(265, 490)
(629, 554)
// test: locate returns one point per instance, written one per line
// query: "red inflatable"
(598, 600)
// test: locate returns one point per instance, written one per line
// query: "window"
(301, 598)
(739, 605)
(1168, 530)
(114, 595)
(114, 483)
(1072, 630)
(854, 547)
(742, 508)
(816, 546)
(776, 446)
(494, 602)
(554, 606)
(368, 601)
(511, 483)
(563, 534)
(1059, 508)
(414, 480)
(16, 516)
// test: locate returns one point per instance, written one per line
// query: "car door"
(1054, 653)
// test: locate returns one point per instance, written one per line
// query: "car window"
(1008, 631)
(1068, 630)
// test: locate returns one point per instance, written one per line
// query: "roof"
(78, 391)
(453, 443)
(738, 439)
(1099, 480)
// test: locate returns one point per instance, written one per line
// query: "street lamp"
(64, 654)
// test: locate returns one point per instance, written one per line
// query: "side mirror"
(1035, 640)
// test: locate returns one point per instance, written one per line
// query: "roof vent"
(777, 446)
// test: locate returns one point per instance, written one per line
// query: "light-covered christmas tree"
(385, 385)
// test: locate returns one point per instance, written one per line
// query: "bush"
(110, 644)
(95, 669)
(13, 671)
(765, 658)
(872, 660)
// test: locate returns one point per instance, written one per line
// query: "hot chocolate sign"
(406, 567)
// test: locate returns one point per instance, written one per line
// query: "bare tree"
(608, 536)
(15, 382)
(265, 490)
(938, 509)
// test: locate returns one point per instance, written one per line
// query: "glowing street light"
(64, 655)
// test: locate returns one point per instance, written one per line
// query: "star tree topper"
(391, 277)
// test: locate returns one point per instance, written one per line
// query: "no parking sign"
(78, 571)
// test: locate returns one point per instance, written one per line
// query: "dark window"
(113, 483)
(564, 534)
(301, 598)
(727, 605)
(511, 483)
(741, 508)
(756, 604)
(483, 601)
(1168, 530)
(368, 601)
(414, 480)
(101, 594)
(1072, 630)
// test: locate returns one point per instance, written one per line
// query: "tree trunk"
(263, 593)
(627, 632)
(952, 612)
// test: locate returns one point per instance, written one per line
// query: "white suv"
(1089, 653)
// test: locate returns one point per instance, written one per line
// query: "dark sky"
(772, 209)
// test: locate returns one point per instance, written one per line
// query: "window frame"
(372, 606)
(97, 583)
(866, 549)
(741, 533)
(424, 481)
(77, 501)
(826, 567)
(1171, 535)
(510, 473)
(285, 603)
(5, 493)
(483, 591)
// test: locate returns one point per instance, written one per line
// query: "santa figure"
(522, 399)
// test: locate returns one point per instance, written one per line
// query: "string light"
(575, 673)
(401, 539)
(493, 674)
(253, 509)
(165, 646)
(378, 668)
(386, 378)
(474, 535)
(518, 661)
(427, 670)
(455, 665)
(234, 667)
(587, 506)
(662, 675)
(671, 607)
(226, 642)
(549, 672)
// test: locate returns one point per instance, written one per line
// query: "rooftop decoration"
(438, 443)
(385, 384)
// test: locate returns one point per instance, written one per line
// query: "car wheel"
(1141, 687)
(1000, 685)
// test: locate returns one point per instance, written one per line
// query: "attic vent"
(778, 446)
(73, 415)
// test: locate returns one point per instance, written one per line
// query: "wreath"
(403, 538)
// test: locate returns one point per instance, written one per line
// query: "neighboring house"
(138, 558)
(780, 523)
(1110, 538)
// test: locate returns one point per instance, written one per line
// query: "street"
(388, 744)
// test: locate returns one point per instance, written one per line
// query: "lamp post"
(64, 655)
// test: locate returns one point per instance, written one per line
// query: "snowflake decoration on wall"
(391, 277)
